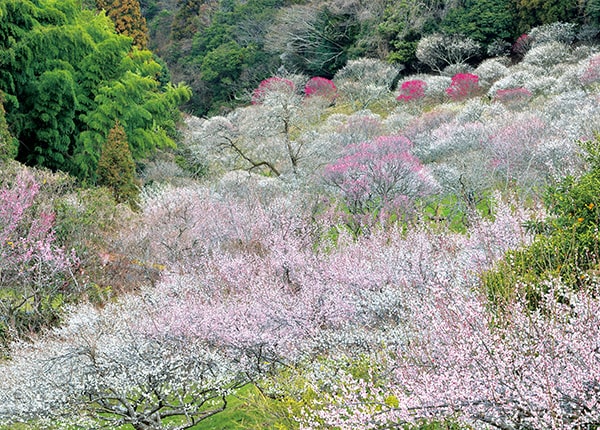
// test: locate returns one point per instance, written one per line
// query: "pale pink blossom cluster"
(34, 270)
(524, 369)
(380, 175)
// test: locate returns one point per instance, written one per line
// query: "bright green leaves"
(68, 77)
(17, 17)
(147, 115)
(567, 246)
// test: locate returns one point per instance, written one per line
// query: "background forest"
(342, 215)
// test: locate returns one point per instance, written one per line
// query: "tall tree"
(116, 168)
(128, 19)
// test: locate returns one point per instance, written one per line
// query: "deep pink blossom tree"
(463, 86)
(321, 87)
(412, 91)
(380, 174)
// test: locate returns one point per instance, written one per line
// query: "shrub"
(463, 86)
(412, 91)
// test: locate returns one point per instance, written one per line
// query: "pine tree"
(128, 19)
(116, 169)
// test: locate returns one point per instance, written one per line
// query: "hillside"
(377, 247)
(224, 48)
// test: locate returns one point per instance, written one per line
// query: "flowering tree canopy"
(272, 85)
(412, 90)
(380, 174)
(321, 87)
(464, 85)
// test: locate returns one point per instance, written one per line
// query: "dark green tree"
(484, 21)
(116, 168)
(533, 13)
(50, 123)
(8, 144)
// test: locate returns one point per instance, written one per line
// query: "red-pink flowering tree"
(321, 87)
(412, 91)
(379, 177)
(35, 273)
(272, 85)
(463, 86)
(522, 45)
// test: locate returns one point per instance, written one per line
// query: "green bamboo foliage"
(68, 77)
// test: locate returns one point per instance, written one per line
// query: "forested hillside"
(223, 49)
(384, 215)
